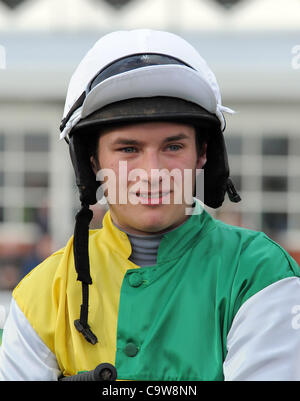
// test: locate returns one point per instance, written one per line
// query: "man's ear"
(94, 165)
(202, 156)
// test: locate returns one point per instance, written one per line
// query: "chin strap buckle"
(86, 332)
(232, 193)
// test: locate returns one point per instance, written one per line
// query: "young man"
(167, 291)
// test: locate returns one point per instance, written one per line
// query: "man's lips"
(152, 197)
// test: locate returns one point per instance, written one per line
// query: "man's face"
(149, 153)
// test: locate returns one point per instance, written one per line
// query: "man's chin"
(147, 220)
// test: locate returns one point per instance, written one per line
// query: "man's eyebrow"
(175, 138)
(124, 141)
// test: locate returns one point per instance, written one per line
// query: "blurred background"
(253, 46)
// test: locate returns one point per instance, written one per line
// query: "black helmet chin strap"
(82, 266)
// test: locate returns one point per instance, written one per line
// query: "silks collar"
(173, 244)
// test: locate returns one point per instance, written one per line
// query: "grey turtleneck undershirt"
(144, 247)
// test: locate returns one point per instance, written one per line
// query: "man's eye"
(175, 147)
(128, 149)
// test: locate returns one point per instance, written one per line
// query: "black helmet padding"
(216, 171)
(85, 177)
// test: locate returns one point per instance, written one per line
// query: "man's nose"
(152, 166)
(150, 161)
